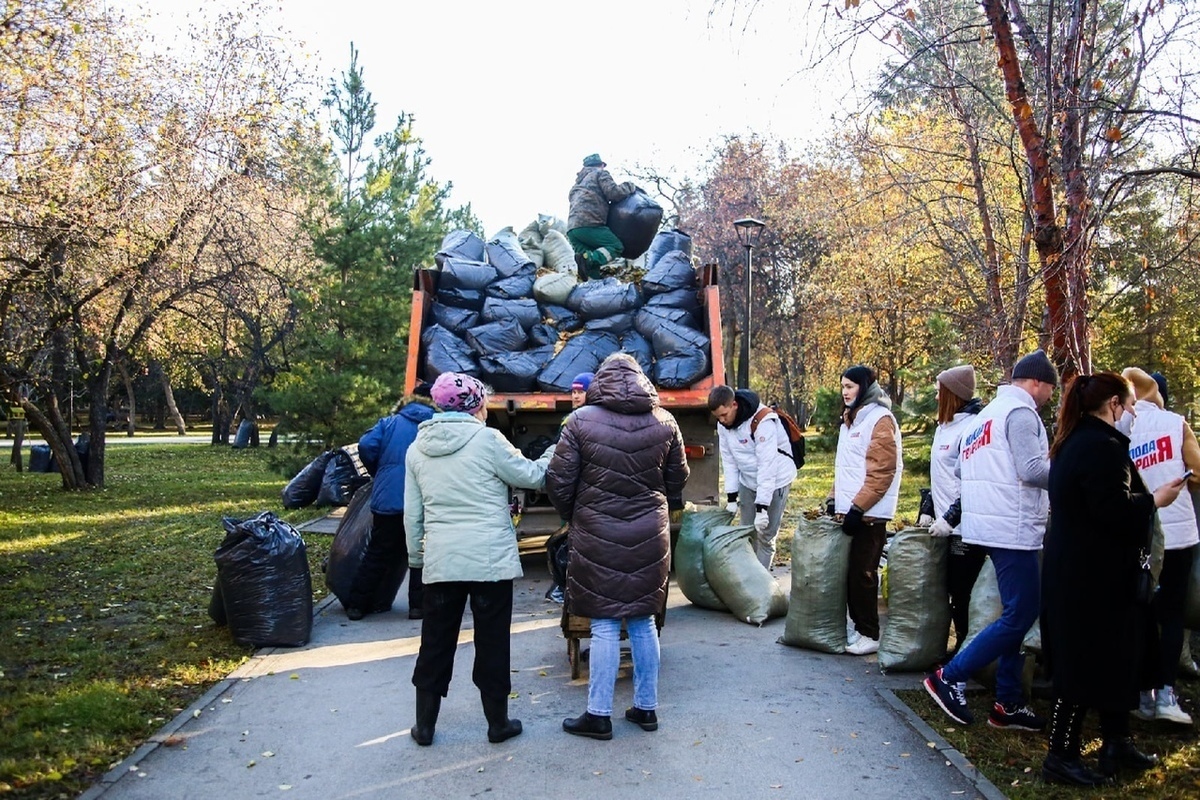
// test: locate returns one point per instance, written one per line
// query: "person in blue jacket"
(382, 450)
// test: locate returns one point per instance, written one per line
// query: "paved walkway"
(740, 715)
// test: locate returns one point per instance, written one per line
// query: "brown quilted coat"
(619, 459)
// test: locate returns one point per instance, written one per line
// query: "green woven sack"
(816, 617)
(918, 619)
(744, 585)
(688, 559)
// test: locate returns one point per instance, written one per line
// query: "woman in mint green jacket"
(460, 532)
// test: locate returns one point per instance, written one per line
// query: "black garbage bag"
(454, 319)
(557, 555)
(445, 352)
(525, 311)
(519, 285)
(515, 372)
(603, 298)
(561, 317)
(670, 337)
(582, 353)
(615, 323)
(504, 252)
(635, 220)
(638, 346)
(41, 459)
(649, 318)
(348, 549)
(303, 489)
(687, 299)
(673, 271)
(459, 297)
(666, 241)
(542, 334)
(264, 583)
(680, 370)
(459, 273)
(343, 477)
(460, 244)
(502, 336)
(247, 435)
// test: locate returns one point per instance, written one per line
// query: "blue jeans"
(1020, 595)
(605, 659)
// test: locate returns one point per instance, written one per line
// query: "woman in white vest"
(957, 407)
(866, 488)
(1163, 447)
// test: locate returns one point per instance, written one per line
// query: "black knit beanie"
(1161, 380)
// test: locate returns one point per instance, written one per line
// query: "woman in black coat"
(1100, 518)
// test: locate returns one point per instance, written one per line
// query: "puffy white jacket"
(944, 482)
(456, 514)
(998, 508)
(757, 463)
(1156, 447)
(850, 463)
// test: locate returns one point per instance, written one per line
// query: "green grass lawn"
(104, 604)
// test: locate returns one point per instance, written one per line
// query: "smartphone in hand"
(1187, 475)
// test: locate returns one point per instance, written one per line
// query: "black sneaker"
(1016, 718)
(354, 614)
(949, 697)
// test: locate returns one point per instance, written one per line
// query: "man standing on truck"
(759, 470)
(587, 222)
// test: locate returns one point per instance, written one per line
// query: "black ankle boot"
(646, 720)
(1070, 771)
(1123, 754)
(589, 725)
(428, 706)
(500, 727)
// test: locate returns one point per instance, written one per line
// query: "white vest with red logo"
(850, 463)
(998, 509)
(1156, 447)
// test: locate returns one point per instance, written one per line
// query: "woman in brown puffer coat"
(618, 470)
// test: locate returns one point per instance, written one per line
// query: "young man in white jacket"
(1163, 447)
(757, 456)
(1005, 470)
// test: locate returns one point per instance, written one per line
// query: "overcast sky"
(509, 96)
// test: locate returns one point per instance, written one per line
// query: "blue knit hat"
(582, 381)
(594, 160)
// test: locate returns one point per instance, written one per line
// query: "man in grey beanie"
(1005, 469)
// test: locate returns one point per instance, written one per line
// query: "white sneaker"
(852, 634)
(1166, 706)
(864, 645)
(1145, 709)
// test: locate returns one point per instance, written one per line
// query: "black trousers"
(491, 608)
(1168, 611)
(387, 551)
(862, 578)
(962, 570)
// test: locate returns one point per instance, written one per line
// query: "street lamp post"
(748, 232)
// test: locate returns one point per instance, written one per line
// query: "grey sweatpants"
(764, 542)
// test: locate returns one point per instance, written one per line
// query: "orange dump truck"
(525, 416)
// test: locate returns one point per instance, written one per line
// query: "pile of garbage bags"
(330, 479)
(716, 567)
(512, 312)
(263, 590)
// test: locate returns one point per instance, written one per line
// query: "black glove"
(829, 506)
(852, 523)
(675, 504)
(731, 497)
